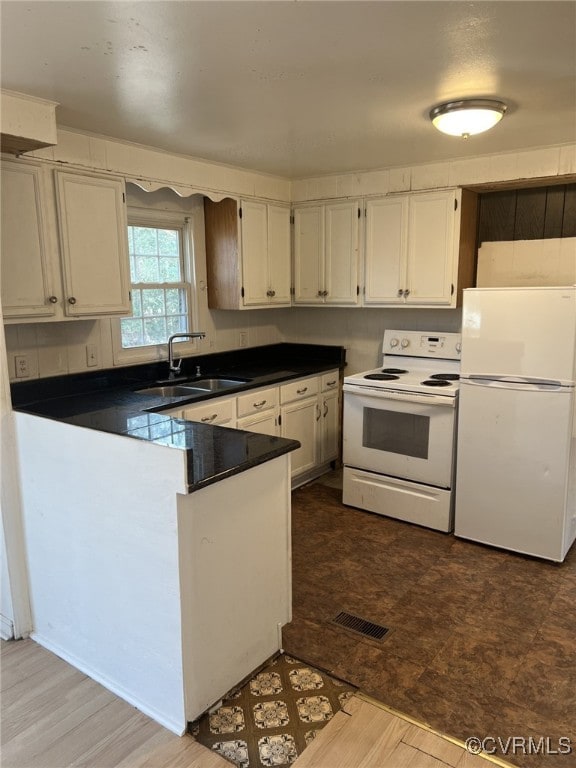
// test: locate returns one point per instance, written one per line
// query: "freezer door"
(512, 476)
(520, 332)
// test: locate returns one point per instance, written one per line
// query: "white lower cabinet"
(300, 422)
(258, 411)
(307, 410)
(329, 434)
(220, 411)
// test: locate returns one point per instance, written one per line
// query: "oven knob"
(393, 342)
(405, 343)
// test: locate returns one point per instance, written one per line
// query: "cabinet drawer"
(257, 401)
(214, 412)
(330, 381)
(297, 390)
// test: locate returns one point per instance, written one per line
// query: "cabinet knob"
(406, 293)
(301, 391)
(325, 408)
(260, 404)
(319, 293)
(318, 413)
(324, 293)
(53, 299)
(400, 292)
(71, 300)
(209, 418)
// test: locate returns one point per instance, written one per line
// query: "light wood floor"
(53, 716)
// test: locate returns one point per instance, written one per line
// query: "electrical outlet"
(21, 365)
(243, 339)
(91, 355)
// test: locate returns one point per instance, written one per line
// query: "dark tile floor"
(481, 643)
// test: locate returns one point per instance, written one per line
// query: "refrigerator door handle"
(507, 383)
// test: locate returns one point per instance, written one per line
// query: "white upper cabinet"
(414, 252)
(26, 280)
(326, 241)
(94, 244)
(247, 254)
(88, 275)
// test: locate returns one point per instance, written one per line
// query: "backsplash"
(55, 349)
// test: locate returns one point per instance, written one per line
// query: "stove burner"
(435, 383)
(394, 370)
(446, 376)
(381, 376)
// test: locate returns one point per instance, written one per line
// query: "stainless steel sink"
(196, 387)
(172, 391)
(213, 385)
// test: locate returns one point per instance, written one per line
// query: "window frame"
(144, 217)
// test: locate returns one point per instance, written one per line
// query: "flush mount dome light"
(468, 116)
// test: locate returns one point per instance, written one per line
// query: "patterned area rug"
(274, 716)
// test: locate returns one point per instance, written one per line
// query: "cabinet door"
(25, 279)
(309, 255)
(386, 249)
(254, 228)
(431, 247)
(94, 244)
(341, 253)
(279, 263)
(299, 421)
(330, 420)
(264, 423)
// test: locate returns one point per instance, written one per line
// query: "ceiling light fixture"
(467, 117)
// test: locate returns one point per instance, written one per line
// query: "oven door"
(404, 435)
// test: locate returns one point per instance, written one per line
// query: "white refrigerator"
(516, 460)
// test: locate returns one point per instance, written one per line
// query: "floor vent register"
(360, 626)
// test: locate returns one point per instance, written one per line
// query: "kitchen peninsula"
(158, 549)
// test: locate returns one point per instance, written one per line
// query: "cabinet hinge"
(455, 205)
(279, 419)
(240, 212)
(292, 291)
(359, 213)
(242, 291)
(291, 219)
(452, 290)
(123, 197)
(357, 290)
(130, 296)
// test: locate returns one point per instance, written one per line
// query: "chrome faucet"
(174, 367)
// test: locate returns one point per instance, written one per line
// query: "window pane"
(168, 242)
(176, 324)
(175, 301)
(136, 303)
(170, 269)
(147, 269)
(155, 330)
(145, 241)
(132, 332)
(153, 302)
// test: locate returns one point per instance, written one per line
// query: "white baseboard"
(6, 628)
(176, 727)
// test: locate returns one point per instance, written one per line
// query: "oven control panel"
(422, 344)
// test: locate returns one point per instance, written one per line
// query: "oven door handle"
(381, 393)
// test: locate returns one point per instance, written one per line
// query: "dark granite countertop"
(108, 401)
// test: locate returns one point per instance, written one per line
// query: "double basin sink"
(195, 387)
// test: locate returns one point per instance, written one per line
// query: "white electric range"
(399, 430)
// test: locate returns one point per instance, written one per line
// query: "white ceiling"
(297, 88)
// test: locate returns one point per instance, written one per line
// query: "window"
(160, 290)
